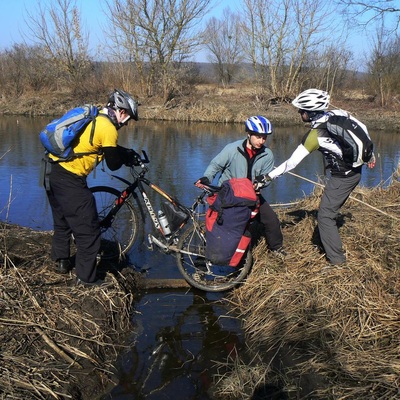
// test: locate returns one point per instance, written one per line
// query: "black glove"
(261, 180)
(132, 158)
(203, 180)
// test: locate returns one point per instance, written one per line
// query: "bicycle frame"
(120, 222)
(139, 184)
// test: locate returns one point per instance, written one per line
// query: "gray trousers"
(336, 192)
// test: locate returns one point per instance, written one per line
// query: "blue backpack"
(60, 136)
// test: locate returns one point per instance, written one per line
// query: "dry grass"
(57, 339)
(325, 333)
(211, 103)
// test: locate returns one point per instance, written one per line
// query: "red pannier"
(230, 210)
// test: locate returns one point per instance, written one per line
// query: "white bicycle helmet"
(120, 99)
(312, 100)
(258, 125)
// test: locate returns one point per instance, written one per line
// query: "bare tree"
(368, 11)
(156, 36)
(57, 28)
(384, 66)
(280, 35)
(223, 39)
(384, 57)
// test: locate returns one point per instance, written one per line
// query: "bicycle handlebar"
(141, 162)
(210, 189)
(213, 188)
(145, 159)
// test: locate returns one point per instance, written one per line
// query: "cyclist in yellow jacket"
(72, 203)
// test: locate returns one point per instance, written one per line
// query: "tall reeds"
(319, 332)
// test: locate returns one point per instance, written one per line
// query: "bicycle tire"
(118, 238)
(204, 275)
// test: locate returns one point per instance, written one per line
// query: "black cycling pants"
(74, 212)
(272, 225)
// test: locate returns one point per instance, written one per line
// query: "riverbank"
(210, 103)
(311, 332)
(58, 340)
(318, 332)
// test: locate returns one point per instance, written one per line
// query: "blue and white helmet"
(258, 125)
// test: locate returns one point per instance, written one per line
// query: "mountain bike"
(122, 217)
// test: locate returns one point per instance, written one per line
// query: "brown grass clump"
(325, 333)
(57, 339)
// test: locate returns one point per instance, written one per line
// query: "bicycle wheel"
(202, 274)
(117, 237)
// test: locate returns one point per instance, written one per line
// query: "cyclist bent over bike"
(72, 203)
(249, 159)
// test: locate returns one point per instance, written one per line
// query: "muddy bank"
(58, 340)
(209, 103)
(318, 332)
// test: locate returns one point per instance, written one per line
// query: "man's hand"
(201, 182)
(260, 181)
(133, 158)
(372, 161)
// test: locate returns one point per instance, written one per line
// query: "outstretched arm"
(295, 159)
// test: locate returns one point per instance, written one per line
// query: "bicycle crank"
(153, 240)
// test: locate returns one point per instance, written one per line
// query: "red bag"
(226, 221)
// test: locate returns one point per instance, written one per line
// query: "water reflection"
(179, 337)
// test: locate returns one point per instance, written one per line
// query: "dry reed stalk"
(342, 325)
(50, 327)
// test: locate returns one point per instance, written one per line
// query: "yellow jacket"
(105, 135)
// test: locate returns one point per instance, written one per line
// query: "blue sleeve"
(219, 163)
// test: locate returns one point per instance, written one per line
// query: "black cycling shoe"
(98, 282)
(200, 263)
(63, 266)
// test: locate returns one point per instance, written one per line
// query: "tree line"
(287, 45)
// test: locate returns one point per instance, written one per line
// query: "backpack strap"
(45, 170)
(92, 131)
(100, 152)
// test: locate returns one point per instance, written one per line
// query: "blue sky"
(14, 14)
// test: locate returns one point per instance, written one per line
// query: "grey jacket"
(234, 162)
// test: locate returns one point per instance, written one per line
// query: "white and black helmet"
(119, 99)
(258, 125)
(312, 100)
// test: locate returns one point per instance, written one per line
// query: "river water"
(177, 335)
